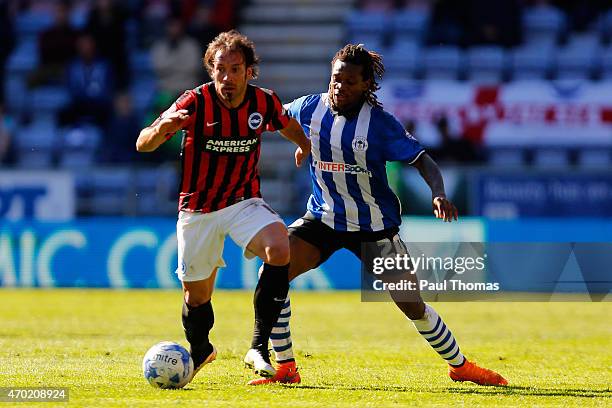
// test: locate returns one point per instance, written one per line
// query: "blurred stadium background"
(512, 98)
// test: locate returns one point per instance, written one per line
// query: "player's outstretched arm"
(151, 137)
(294, 132)
(443, 208)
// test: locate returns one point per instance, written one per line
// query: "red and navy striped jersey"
(220, 147)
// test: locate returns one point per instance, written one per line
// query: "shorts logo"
(255, 120)
(360, 144)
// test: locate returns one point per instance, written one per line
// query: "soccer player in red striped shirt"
(219, 190)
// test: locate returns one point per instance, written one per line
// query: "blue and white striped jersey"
(348, 163)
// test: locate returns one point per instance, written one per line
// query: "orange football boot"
(286, 373)
(471, 372)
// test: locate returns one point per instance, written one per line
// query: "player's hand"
(171, 122)
(301, 153)
(444, 209)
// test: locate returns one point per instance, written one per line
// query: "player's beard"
(229, 96)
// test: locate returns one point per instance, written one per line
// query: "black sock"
(269, 299)
(197, 322)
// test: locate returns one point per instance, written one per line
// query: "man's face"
(347, 85)
(230, 75)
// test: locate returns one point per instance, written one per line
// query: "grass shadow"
(498, 391)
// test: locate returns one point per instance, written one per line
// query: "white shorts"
(201, 236)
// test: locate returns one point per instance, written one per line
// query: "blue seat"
(367, 22)
(551, 157)
(579, 59)
(401, 60)
(445, 62)
(31, 23)
(371, 42)
(48, 98)
(595, 158)
(410, 25)
(506, 157)
(36, 143)
(604, 26)
(531, 62)
(142, 92)
(79, 146)
(24, 58)
(78, 17)
(606, 63)
(110, 191)
(486, 64)
(543, 24)
(140, 62)
(15, 92)
(153, 187)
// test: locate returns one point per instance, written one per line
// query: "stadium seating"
(444, 62)
(410, 25)
(486, 64)
(48, 98)
(402, 60)
(543, 24)
(29, 23)
(111, 189)
(579, 58)
(595, 158)
(79, 146)
(295, 63)
(531, 62)
(367, 26)
(37, 143)
(550, 157)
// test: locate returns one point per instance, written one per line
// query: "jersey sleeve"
(294, 108)
(279, 118)
(400, 145)
(186, 101)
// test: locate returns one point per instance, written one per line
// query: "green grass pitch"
(351, 354)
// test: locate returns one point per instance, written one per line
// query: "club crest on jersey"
(360, 144)
(255, 120)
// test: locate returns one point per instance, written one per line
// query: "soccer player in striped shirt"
(352, 138)
(219, 190)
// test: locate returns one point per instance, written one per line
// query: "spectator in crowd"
(453, 148)
(122, 131)
(376, 5)
(177, 60)
(56, 48)
(447, 22)
(7, 42)
(90, 82)
(153, 17)
(106, 23)
(200, 24)
(493, 22)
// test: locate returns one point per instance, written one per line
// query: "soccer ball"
(167, 365)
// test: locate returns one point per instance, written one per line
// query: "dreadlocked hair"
(372, 68)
